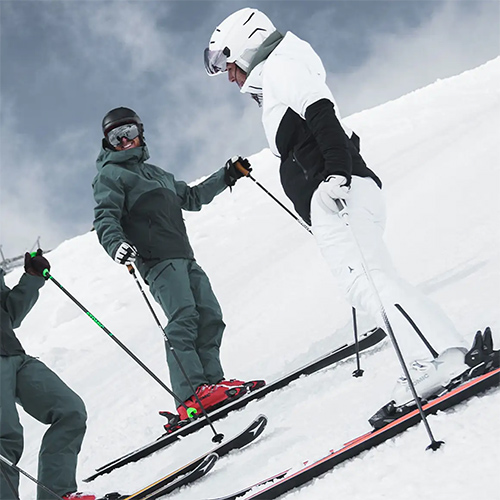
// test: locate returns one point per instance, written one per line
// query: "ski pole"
(246, 173)
(218, 437)
(8, 481)
(47, 276)
(358, 372)
(24, 473)
(344, 215)
(417, 329)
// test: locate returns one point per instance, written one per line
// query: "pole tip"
(218, 438)
(435, 445)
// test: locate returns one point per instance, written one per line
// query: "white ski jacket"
(302, 122)
(293, 76)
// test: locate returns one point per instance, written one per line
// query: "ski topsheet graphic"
(166, 485)
(366, 341)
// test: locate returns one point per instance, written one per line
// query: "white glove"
(125, 254)
(333, 188)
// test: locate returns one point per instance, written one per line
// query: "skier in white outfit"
(321, 163)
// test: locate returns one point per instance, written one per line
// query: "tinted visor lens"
(129, 131)
(215, 61)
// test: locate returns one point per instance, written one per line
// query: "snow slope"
(437, 153)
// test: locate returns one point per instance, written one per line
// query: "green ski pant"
(44, 396)
(195, 324)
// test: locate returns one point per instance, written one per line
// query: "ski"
(288, 480)
(366, 341)
(252, 432)
(164, 486)
(244, 491)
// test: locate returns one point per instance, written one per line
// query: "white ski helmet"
(236, 40)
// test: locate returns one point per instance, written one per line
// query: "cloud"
(456, 37)
(124, 34)
(80, 59)
(34, 181)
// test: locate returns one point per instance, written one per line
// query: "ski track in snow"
(436, 150)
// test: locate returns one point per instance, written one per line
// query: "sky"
(283, 309)
(64, 64)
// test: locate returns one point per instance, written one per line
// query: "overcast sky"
(64, 64)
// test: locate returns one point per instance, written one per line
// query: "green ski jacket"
(16, 303)
(142, 204)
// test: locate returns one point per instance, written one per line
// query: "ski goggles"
(130, 131)
(216, 61)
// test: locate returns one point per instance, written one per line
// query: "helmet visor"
(129, 131)
(215, 61)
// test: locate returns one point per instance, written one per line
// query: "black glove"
(35, 264)
(235, 168)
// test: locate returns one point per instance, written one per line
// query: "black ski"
(288, 480)
(252, 432)
(366, 341)
(165, 485)
(244, 491)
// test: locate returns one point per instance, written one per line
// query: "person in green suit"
(42, 394)
(138, 218)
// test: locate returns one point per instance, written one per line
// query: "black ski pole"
(8, 481)
(358, 372)
(246, 173)
(417, 329)
(24, 473)
(343, 214)
(218, 437)
(47, 275)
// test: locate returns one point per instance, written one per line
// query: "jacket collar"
(122, 158)
(269, 44)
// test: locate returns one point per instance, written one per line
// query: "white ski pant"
(366, 217)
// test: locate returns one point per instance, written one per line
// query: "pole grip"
(241, 168)
(341, 205)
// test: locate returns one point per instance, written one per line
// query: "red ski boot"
(210, 396)
(251, 385)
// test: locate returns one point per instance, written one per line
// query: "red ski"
(288, 480)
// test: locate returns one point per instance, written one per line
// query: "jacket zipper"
(294, 158)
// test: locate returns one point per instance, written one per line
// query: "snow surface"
(437, 151)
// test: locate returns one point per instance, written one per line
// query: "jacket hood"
(107, 156)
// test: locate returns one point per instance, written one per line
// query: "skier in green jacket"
(43, 395)
(138, 218)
